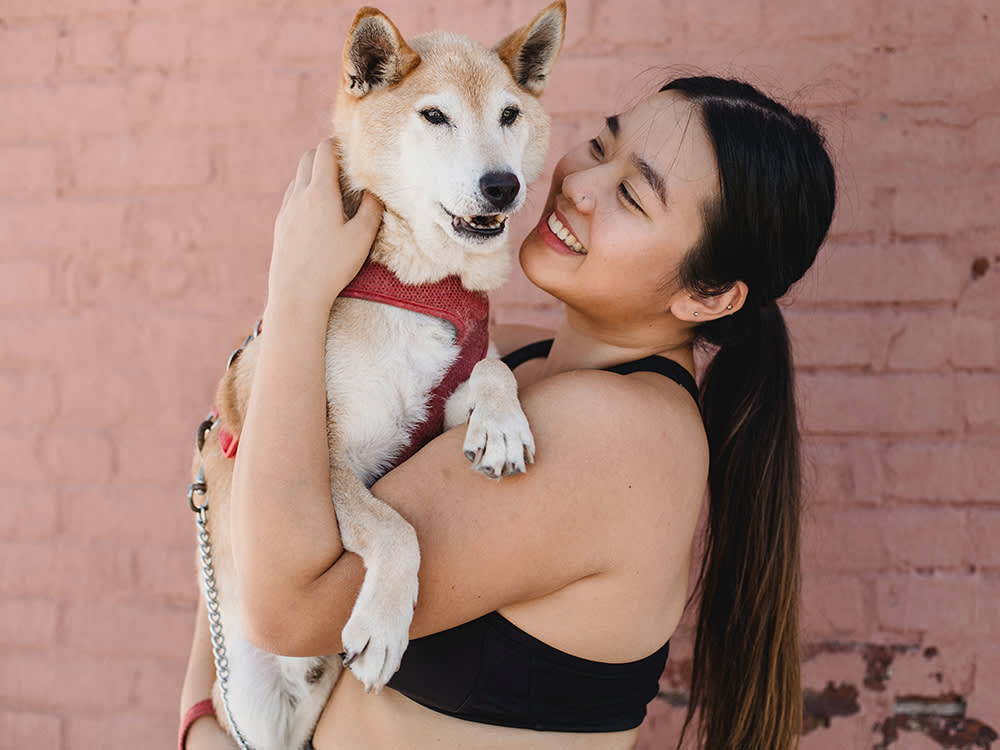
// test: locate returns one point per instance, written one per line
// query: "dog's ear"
(531, 52)
(375, 55)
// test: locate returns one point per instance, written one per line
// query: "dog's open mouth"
(488, 225)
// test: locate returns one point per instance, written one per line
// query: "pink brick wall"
(144, 147)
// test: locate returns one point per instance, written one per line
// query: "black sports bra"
(490, 671)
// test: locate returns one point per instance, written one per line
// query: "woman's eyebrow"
(650, 175)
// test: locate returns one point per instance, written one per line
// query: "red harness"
(447, 299)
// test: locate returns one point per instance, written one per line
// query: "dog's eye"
(434, 116)
(509, 115)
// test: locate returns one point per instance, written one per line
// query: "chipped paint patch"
(820, 707)
(940, 718)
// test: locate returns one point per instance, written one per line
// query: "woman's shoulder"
(642, 422)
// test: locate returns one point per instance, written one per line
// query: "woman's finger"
(325, 166)
(288, 193)
(304, 174)
(369, 216)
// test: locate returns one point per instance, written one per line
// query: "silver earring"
(729, 307)
(696, 313)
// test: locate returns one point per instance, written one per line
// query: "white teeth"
(562, 232)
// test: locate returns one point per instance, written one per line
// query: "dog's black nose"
(500, 188)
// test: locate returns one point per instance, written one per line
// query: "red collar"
(467, 310)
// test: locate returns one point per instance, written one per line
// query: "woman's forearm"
(285, 532)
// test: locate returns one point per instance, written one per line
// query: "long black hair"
(777, 192)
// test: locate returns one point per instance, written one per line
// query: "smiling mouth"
(489, 225)
(565, 236)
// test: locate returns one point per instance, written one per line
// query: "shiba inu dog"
(447, 133)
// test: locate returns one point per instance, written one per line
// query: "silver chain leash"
(199, 487)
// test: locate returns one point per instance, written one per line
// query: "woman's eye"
(596, 149)
(509, 116)
(434, 116)
(627, 196)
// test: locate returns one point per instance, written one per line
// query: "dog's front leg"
(378, 631)
(498, 440)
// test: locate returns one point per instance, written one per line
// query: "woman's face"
(622, 212)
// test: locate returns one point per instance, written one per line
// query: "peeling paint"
(941, 718)
(834, 700)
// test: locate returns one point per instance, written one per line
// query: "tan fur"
(385, 358)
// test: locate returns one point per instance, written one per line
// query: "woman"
(682, 222)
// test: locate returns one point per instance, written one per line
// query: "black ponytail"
(776, 200)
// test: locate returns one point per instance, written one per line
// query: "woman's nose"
(579, 191)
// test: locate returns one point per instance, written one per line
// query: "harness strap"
(468, 311)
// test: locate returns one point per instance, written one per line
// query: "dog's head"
(446, 132)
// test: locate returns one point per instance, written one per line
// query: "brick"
(159, 681)
(33, 394)
(121, 729)
(317, 37)
(70, 570)
(988, 603)
(31, 510)
(57, 679)
(835, 608)
(881, 404)
(842, 472)
(134, 629)
(837, 541)
(821, 20)
(79, 224)
(926, 208)
(721, 20)
(901, 272)
(927, 538)
(159, 41)
(126, 163)
(79, 453)
(981, 299)
(980, 398)
(837, 339)
(916, 75)
(944, 606)
(975, 343)
(25, 283)
(921, 341)
(615, 22)
(29, 53)
(96, 47)
(985, 698)
(28, 622)
(984, 532)
(26, 9)
(948, 470)
(158, 515)
(935, 669)
(19, 456)
(30, 729)
(169, 574)
(486, 22)
(28, 171)
(250, 96)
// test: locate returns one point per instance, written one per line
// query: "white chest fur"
(382, 362)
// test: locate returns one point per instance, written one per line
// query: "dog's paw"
(378, 631)
(498, 440)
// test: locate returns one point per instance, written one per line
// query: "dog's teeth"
(501, 218)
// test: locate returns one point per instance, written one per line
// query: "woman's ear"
(697, 309)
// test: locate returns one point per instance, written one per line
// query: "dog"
(447, 134)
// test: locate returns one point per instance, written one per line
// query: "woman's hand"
(317, 251)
